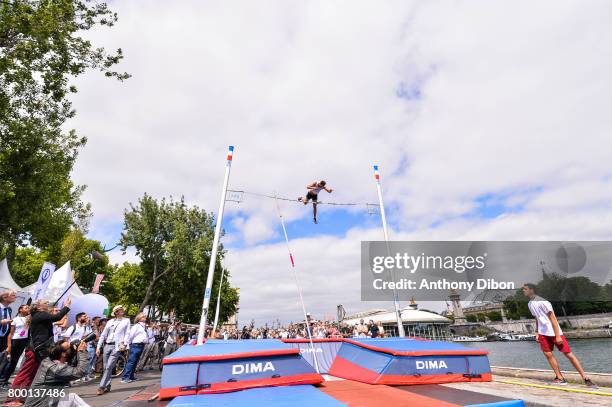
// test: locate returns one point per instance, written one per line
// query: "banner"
(44, 279)
(96, 286)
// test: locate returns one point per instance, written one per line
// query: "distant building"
(457, 309)
(484, 308)
(418, 323)
(460, 312)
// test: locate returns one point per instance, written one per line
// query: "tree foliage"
(77, 249)
(567, 295)
(494, 315)
(126, 286)
(174, 242)
(41, 50)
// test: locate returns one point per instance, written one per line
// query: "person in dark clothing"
(373, 330)
(56, 371)
(41, 326)
(245, 333)
(41, 337)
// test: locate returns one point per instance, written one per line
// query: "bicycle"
(122, 359)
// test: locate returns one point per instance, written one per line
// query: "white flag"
(43, 281)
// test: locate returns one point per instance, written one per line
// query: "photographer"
(41, 336)
(56, 371)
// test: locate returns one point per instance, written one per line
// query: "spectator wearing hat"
(113, 339)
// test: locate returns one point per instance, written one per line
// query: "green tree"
(26, 265)
(516, 306)
(471, 318)
(42, 50)
(494, 316)
(174, 242)
(126, 285)
(78, 249)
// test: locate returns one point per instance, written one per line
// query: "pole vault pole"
(297, 283)
(398, 311)
(215, 246)
(218, 302)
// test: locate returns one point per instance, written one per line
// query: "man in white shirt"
(549, 334)
(113, 339)
(362, 329)
(79, 330)
(76, 332)
(137, 339)
(149, 347)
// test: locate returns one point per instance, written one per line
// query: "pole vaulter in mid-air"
(313, 194)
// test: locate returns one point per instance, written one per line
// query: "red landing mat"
(356, 394)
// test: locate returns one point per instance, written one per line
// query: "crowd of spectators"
(45, 349)
(58, 351)
(318, 329)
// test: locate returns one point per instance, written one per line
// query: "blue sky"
(486, 121)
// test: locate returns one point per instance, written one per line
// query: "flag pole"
(398, 311)
(297, 283)
(215, 246)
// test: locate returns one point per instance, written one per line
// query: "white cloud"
(512, 99)
(117, 257)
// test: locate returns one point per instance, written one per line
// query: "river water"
(595, 355)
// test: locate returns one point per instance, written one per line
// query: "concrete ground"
(148, 385)
(537, 397)
(119, 391)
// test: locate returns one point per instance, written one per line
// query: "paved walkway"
(535, 397)
(119, 392)
(538, 396)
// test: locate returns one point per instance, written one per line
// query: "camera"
(72, 360)
(87, 338)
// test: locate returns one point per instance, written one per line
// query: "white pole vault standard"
(218, 302)
(398, 311)
(297, 283)
(213, 253)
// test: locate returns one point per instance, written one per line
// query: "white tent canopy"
(7, 283)
(60, 280)
(6, 280)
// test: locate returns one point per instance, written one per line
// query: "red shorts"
(547, 344)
